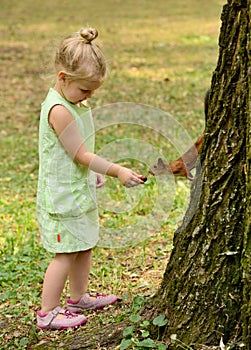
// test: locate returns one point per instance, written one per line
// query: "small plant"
(178, 342)
(137, 335)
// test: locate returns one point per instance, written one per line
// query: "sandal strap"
(56, 311)
(53, 314)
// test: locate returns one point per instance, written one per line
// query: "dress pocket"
(73, 214)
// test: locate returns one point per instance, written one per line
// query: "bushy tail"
(184, 164)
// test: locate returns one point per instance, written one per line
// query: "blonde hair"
(80, 58)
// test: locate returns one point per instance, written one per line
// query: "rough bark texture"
(246, 261)
(204, 287)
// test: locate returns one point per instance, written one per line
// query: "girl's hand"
(100, 180)
(128, 178)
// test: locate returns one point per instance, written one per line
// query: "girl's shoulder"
(54, 98)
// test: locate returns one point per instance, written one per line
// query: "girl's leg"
(79, 274)
(80, 301)
(54, 281)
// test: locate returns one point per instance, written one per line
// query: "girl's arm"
(61, 120)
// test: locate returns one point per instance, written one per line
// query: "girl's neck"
(58, 88)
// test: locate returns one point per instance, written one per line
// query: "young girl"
(66, 205)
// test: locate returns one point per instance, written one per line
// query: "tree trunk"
(206, 286)
(246, 261)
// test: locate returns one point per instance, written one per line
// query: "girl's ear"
(61, 76)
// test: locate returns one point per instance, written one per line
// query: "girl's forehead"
(89, 85)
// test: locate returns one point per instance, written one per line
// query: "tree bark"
(246, 261)
(207, 281)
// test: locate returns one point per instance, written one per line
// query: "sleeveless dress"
(66, 195)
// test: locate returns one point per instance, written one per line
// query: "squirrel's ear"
(160, 161)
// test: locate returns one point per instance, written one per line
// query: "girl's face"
(77, 91)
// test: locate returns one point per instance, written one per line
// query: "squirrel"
(184, 164)
(181, 166)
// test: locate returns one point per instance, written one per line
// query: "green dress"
(66, 195)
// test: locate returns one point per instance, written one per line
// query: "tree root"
(107, 338)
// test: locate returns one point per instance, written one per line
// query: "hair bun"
(88, 34)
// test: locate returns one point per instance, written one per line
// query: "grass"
(162, 55)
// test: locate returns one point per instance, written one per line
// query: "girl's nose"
(89, 94)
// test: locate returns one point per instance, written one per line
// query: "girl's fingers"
(132, 183)
(136, 182)
(100, 180)
(143, 178)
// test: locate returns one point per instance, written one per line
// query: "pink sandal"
(51, 321)
(85, 303)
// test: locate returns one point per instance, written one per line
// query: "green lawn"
(161, 54)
